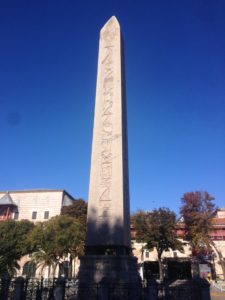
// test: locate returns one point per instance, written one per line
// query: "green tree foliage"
(197, 210)
(158, 230)
(76, 210)
(56, 239)
(13, 244)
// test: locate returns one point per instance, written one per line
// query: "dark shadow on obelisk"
(107, 235)
(107, 268)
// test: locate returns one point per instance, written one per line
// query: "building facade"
(33, 205)
(182, 265)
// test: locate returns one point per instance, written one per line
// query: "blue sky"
(175, 73)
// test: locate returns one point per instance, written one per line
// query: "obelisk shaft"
(108, 203)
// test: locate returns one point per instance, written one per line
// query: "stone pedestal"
(152, 290)
(104, 277)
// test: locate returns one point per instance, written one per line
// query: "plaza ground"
(216, 294)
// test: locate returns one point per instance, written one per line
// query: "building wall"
(217, 236)
(40, 202)
(146, 255)
(220, 247)
(221, 213)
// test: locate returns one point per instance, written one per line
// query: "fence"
(36, 289)
(60, 289)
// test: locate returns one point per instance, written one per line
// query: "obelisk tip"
(111, 23)
(114, 20)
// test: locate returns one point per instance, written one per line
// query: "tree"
(13, 246)
(158, 230)
(197, 211)
(54, 240)
(76, 210)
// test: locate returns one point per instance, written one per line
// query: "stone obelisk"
(108, 246)
(108, 202)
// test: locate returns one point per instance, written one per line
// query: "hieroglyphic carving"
(107, 128)
(109, 32)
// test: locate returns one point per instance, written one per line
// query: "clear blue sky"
(175, 69)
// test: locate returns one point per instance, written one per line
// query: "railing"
(60, 289)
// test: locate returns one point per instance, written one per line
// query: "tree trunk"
(70, 275)
(160, 267)
(42, 269)
(49, 271)
(53, 270)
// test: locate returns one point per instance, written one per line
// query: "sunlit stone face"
(108, 203)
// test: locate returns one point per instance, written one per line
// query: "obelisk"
(108, 246)
(108, 202)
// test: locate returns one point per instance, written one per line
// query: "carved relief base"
(106, 277)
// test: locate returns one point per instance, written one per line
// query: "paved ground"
(216, 294)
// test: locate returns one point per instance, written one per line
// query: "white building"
(33, 205)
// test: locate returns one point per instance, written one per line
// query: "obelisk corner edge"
(111, 24)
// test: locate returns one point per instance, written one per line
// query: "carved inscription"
(106, 132)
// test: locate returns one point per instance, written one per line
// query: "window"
(46, 215)
(174, 254)
(34, 215)
(16, 215)
(146, 254)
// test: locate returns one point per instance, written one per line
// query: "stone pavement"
(216, 294)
